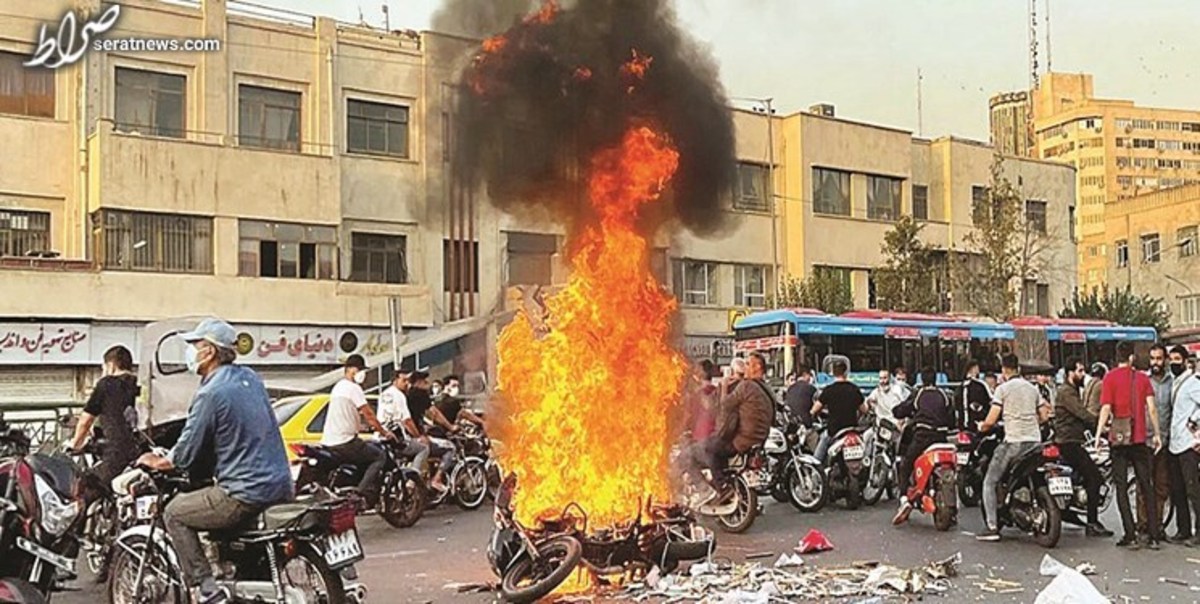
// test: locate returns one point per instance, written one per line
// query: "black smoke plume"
(541, 98)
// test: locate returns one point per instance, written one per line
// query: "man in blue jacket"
(231, 436)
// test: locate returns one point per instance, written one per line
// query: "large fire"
(588, 393)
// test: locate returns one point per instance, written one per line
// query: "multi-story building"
(1008, 114)
(1120, 150)
(1154, 240)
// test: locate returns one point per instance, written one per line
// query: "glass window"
(288, 250)
(1035, 215)
(377, 258)
(460, 266)
(376, 128)
(752, 188)
(920, 202)
(268, 118)
(1185, 239)
(150, 103)
(25, 90)
(142, 241)
(696, 282)
(883, 197)
(1151, 248)
(1122, 249)
(22, 232)
(750, 285)
(531, 258)
(865, 352)
(831, 192)
(980, 212)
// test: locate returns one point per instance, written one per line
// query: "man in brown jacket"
(743, 422)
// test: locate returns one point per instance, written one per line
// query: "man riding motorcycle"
(230, 435)
(347, 403)
(1072, 420)
(932, 418)
(844, 404)
(744, 422)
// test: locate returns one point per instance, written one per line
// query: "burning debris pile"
(605, 113)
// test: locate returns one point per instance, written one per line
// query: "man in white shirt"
(347, 403)
(393, 412)
(885, 397)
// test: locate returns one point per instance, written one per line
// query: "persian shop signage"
(84, 344)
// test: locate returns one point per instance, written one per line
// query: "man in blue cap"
(230, 435)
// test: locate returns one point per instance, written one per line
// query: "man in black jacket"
(974, 400)
(1071, 420)
(933, 417)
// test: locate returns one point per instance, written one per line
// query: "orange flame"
(544, 15)
(588, 401)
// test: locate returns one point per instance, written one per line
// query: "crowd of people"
(1149, 420)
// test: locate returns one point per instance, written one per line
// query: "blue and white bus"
(875, 340)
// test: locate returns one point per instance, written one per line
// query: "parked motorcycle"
(784, 471)
(933, 489)
(845, 468)
(1032, 494)
(402, 493)
(290, 554)
(532, 562)
(40, 513)
(882, 458)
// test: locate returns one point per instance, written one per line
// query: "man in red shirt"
(1127, 394)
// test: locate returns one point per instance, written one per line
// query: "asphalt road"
(447, 547)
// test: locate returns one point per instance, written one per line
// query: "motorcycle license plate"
(342, 548)
(963, 458)
(884, 433)
(853, 453)
(1060, 485)
(144, 507)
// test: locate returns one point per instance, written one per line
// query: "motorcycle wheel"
(160, 581)
(854, 494)
(529, 580)
(1047, 532)
(740, 520)
(470, 484)
(877, 481)
(309, 573)
(101, 531)
(811, 499)
(403, 499)
(969, 490)
(946, 513)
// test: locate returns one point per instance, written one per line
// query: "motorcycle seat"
(280, 515)
(58, 472)
(941, 447)
(843, 432)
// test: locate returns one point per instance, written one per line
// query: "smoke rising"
(542, 98)
(480, 18)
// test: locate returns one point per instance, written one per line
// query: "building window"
(1037, 298)
(1071, 223)
(883, 197)
(24, 232)
(460, 266)
(1185, 240)
(843, 275)
(1143, 124)
(696, 282)
(1035, 215)
(920, 202)
(1143, 143)
(753, 188)
(378, 258)
(1189, 311)
(376, 128)
(1122, 249)
(150, 103)
(1151, 248)
(980, 212)
(25, 90)
(831, 192)
(531, 258)
(286, 250)
(660, 265)
(1164, 145)
(268, 118)
(163, 243)
(750, 285)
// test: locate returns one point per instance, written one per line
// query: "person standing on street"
(884, 398)
(347, 403)
(1185, 443)
(1071, 422)
(1167, 474)
(1023, 410)
(1179, 369)
(1092, 387)
(1127, 398)
(974, 399)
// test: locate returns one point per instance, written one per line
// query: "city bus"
(875, 340)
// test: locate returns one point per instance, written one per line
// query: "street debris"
(791, 579)
(470, 588)
(759, 555)
(1000, 586)
(814, 542)
(1173, 581)
(1086, 568)
(1068, 587)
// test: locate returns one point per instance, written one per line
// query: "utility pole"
(920, 108)
(1048, 67)
(771, 186)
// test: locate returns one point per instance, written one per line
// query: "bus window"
(906, 354)
(1076, 350)
(1056, 356)
(954, 359)
(865, 352)
(813, 348)
(1103, 351)
(929, 357)
(988, 353)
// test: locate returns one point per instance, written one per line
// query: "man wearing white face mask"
(451, 407)
(347, 403)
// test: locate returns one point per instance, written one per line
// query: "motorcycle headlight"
(56, 515)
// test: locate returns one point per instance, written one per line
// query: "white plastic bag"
(1070, 587)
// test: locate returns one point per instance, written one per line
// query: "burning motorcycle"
(933, 488)
(40, 513)
(533, 562)
(401, 492)
(1032, 494)
(292, 553)
(846, 470)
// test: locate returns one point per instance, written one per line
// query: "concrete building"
(1154, 241)
(1008, 117)
(295, 182)
(1120, 150)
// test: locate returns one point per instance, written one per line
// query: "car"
(302, 420)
